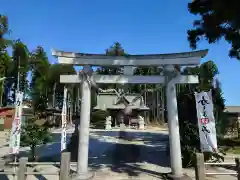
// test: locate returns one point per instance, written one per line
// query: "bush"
(34, 133)
(98, 118)
(189, 136)
(229, 142)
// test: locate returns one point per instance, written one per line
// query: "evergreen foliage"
(189, 133)
(217, 19)
(35, 133)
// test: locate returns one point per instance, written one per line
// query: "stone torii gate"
(170, 79)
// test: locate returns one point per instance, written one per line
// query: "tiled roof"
(111, 101)
(232, 109)
(122, 106)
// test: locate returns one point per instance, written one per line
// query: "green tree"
(20, 64)
(54, 79)
(45, 83)
(40, 79)
(222, 121)
(115, 50)
(34, 133)
(190, 143)
(6, 67)
(5, 59)
(4, 31)
(55, 87)
(217, 19)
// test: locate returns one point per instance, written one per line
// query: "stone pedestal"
(108, 123)
(122, 133)
(182, 177)
(84, 176)
(141, 122)
(122, 126)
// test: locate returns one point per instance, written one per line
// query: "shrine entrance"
(115, 105)
(88, 80)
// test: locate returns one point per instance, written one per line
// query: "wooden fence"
(200, 169)
(23, 163)
(64, 173)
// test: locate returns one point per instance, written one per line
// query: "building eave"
(200, 53)
(182, 58)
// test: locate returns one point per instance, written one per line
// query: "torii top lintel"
(184, 58)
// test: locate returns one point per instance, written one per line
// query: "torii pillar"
(170, 80)
(84, 128)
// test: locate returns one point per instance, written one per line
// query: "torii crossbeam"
(170, 79)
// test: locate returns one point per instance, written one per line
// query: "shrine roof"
(232, 109)
(122, 106)
(200, 53)
(111, 101)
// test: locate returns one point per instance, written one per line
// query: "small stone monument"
(121, 120)
(122, 126)
(108, 124)
(141, 122)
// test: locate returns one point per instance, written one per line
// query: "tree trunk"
(71, 113)
(238, 128)
(33, 151)
(53, 96)
(2, 93)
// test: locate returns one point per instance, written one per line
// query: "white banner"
(16, 125)
(206, 121)
(64, 121)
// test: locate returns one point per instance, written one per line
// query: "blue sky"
(91, 26)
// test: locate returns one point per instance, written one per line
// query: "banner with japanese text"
(14, 143)
(64, 121)
(206, 121)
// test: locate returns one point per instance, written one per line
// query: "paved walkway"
(140, 156)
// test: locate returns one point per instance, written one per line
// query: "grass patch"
(234, 150)
(230, 145)
(227, 142)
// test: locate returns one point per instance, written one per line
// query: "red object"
(204, 120)
(7, 113)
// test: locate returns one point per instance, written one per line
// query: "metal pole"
(18, 75)
(18, 81)
(53, 96)
(145, 101)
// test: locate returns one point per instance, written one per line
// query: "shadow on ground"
(126, 152)
(45, 153)
(120, 151)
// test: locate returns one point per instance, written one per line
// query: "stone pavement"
(141, 155)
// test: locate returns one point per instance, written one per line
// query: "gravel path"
(139, 155)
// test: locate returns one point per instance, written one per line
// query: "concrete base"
(84, 176)
(141, 127)
(108, 127)
(122, 126)
(183, 177)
